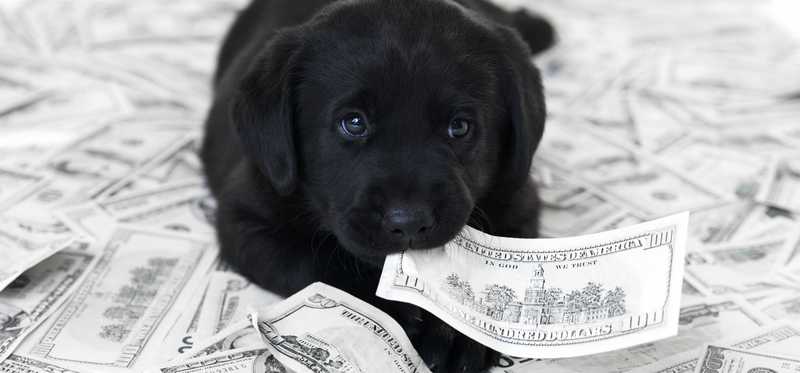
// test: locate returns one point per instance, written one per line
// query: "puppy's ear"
(525, 107)
(536, 30)
(262, 112)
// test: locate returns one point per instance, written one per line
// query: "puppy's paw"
(445, 350)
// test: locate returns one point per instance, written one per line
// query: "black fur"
(299, 201)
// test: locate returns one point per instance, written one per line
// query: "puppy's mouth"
(372, 243)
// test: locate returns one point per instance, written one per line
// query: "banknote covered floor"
(107, 255)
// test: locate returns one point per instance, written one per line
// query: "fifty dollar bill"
(323, 329)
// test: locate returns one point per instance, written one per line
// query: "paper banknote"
(784, 307)
(37, 293)
(780, 339)
(726, 172)
(13, 182)
(118, 312)
(550, 298)
(185, 207)
(741, 267)
(229, 298)
(568, 208)
(240, 335)
(624, 176)
(784, 185)
(731, 360)
(204, 323)
(179, 163)
(23, 364)
(247, 360)
(183, 334)
(323, 329)
(741, 220)
(23, 245)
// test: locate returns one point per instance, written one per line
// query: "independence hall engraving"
(540, 305)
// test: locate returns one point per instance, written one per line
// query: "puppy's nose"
(407, 222)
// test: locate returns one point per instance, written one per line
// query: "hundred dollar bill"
(23, 364)
(37, 204)
(23, 245)
(779, 229)
(185, 207)
(13, 182)
(177, 164)
(786, 307)
(731, 360)
(691, 293)
(568, 207)
(239, 335)
(624, 176)
(182, 164)
(182, 335)
(80, 104)
(740, 267)
(738, 221)
(764, 221)
(724, 171)
(151, 198)
(116, 150)
(87, 219)
(257, 360)
(706, 320)
(37, 293)
(229, 298)
(323, 329)
(783, 189)
(87, 167)
(111, 25)
(792, 274)
(550, 298)
(718, 223)
(615, 222)
(781, 339)
(204, 323)
(657, 122)
(30, 147)
(120, 313)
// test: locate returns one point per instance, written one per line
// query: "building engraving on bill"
(131, 301)
(540, 305)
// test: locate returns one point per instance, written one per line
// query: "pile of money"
(108, 260)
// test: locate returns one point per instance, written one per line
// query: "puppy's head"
(392, 118)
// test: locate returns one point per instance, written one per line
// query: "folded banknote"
(324, 329)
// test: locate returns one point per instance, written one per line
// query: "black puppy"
(343, 131)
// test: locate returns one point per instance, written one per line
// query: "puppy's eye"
(354, 125)
(458, 128)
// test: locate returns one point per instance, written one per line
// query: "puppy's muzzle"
(408, 223)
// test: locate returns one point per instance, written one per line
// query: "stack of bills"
(108, 260)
